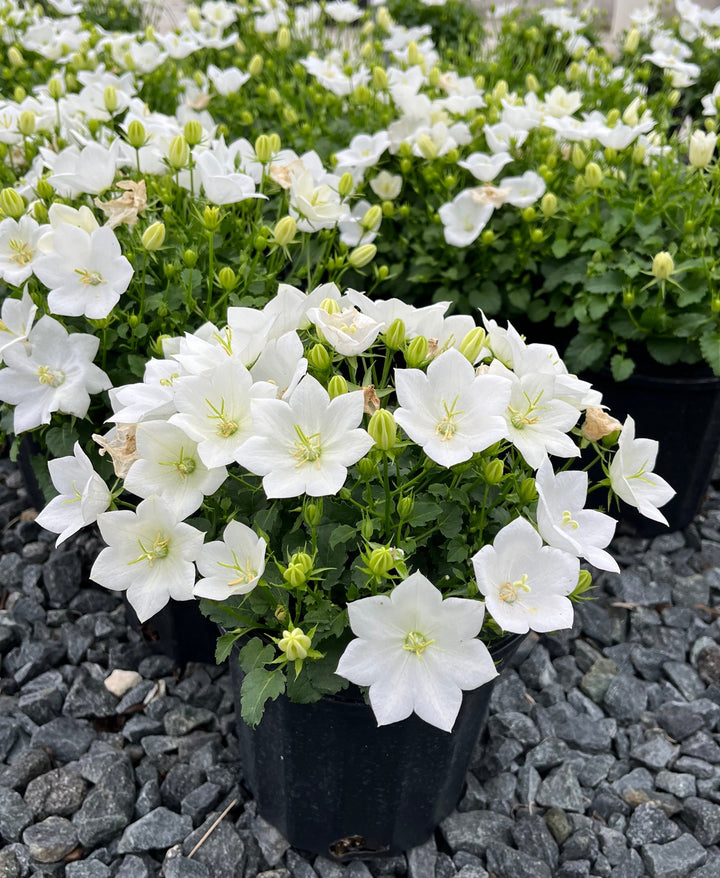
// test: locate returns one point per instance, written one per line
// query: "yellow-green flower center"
(307, 449)
(447, 427)
(22, 252)
(157, 551)
(52, 377)
(569, 521)
(89, 278)
(509, 590)
(416, 642)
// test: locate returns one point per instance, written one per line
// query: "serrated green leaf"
(341, 534)
(585, 352)
(560, 248)
(710, 347)
(622, 367)
(60, 440)
(667, 351)
(223, 647)
(258, 687)
(255, 654)
(608, 282)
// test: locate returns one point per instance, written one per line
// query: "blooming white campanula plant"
(381, 513)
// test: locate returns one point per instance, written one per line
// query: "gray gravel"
(601, 755)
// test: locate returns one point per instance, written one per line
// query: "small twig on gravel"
(213, 827)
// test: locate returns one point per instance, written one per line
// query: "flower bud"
(55, 88)
(294, 575)
(337, 386)
(527, 491)
(190, 258)
(501, 90)
(26, 123)
(578, 157)
(427, 147)
(178, 154)
(487, 237)
(154, 236)
(528, 214)
(579, 185)
(372, 218)
(283, 39)
(367, 527)
(394, 336)
(663, 265)
(381, 560)
(12, 203)
(346, 184)
(573, 71)
(673, 98)
(628, 297)
(383, 429)
(379, 79)
(494, 471)
(255, 66)
(211, 218)
(593, 175)
(193, 132)
(319, 358)
(548, 205)
(312, 513)
(284, 231)
(19, 94)
(405, 507)
(531, 83)
(44, 190)
(366, 468)
(136, 135)
(295, 644)
(227, 278)
(715, 304)
(383, 18)
(414, 55)
(263, 152)
(536, 235)
(472, 344)
(15, 58)
(416, 352)
(110, 98)
(638, 154)
(362, 255)
(632, 41)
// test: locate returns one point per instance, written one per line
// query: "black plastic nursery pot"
(333, 782)
(683, 414)
(179, 631)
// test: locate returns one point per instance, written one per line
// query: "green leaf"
(622, 367)
(710, 347)
(60, 440)
(645, 229)
(255, 654)
(596, 245)
(609, 282)
(223, 647)
(341, 534)
(667, 351)
(258, 687)
(560, 248)
(520, 299)
(585, 351)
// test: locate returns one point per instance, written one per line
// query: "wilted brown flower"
(599, 423)
(119, 443)
(126, 208)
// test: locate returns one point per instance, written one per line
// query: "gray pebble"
(51, 840)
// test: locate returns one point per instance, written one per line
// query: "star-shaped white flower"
(232, 565)
(150, 554)
(563, 521)
(83, 495)
(306, 444)
(631, 475)
(416, 652)
(525, 583)
(451, 412)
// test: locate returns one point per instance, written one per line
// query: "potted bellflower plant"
(364, 495)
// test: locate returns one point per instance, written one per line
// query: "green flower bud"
(528, 214)
(319, 358)
(628, 296)
(255, 66)
(372, 218)
(638, 154)
(531, 83)
(593, 175)
(246, 118)
(26, 123)
(362, 95)
(579, 185)
(337, 386)
(674, 98)
(379, 79)
(283, 39)
(487, 237)
(715, 304)
(40, 212)
(211, 218)
(381, 561)
(362, 255)
(273, 97)
(313, 516)
(178, 154)
(573, 71)
(275, 142)
(193, 132)
(577, 157)
(262, 149)
(280, 613)
(295, 575)
(15, 58)
(427, 147)
(227, 278)
(663, 265)
(416, 352)
(44, 190)
(295, 644)
(414, 55)
(290, 116)
(527, 491)
(19, 94)
(472, 344)
(383, 429)
(136, 135)
(55, 89)
(494, 471)
(345, 184)
(190, 258)
(383, 272)
(12, 203)
(302, 559)
(632, 41)
(405, 507)
(154, 237)
(549, 205)
(284, 231)
(501, 90)
(584, 581)
(110, 98)
(394, 336)
(367, 527)
(536, 235)
(366, 468)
